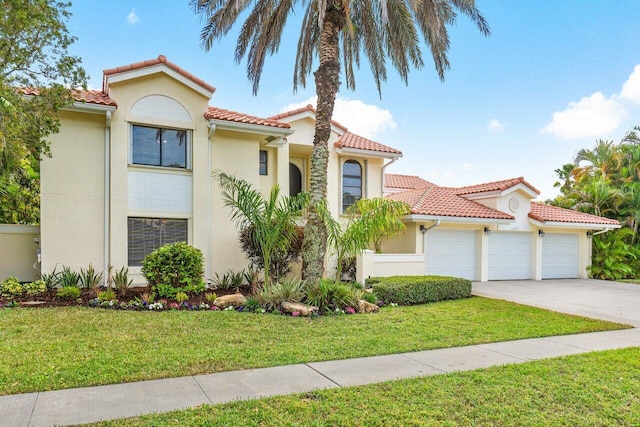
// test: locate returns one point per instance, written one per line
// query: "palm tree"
(602, 160)
(381, 30)
(271, 220)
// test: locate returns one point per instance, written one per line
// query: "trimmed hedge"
(410, 290)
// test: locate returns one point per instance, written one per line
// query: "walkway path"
(84, 405)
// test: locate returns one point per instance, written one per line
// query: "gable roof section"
(153, 66)
(215, 113)
(548, 213)
(443, 201)
(409, 182)
(495, 186)
(357, 142)
(307, 110)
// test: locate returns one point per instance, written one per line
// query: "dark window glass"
(263, 162)
(295, 180)
(159, 147)
(351, 183)
(148, 234)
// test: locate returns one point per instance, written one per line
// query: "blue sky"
(553, 77)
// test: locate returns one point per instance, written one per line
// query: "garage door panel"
(509, 256)
(452, 253)
(560, 256)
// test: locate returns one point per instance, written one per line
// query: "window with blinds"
(148, 234)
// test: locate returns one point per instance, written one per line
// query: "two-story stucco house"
(131, 169)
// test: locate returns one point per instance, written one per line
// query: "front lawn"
(56, 348)
(592, 389)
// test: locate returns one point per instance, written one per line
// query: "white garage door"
(452, 253)
(560, 256)
(509, 256)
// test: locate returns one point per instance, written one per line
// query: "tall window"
(148, 234)
(351, 183)
(159, 147)
(263, 162)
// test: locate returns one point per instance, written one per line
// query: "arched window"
(351, 183)
(295, 180)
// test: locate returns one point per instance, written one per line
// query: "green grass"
(593, 389)
(47, 349)
(634, 281)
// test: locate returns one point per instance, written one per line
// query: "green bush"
(11, 288)
(410, 290)
(38, 287)
(69, 292)
(328, 296)
(107, 295)
(174, 268)
(271, 296)
(370, 297)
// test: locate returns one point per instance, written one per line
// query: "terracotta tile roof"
(89, 96)
(351, 140)
(304, 109)
(495, 186)
(549, 213)
(215, 113)
(443, 201)
(411, 182)
(159, 60)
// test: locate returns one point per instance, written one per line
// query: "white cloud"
(592, 116)
(467, 166)
(496, 125)
(132, 18)
(363, 119)
(631, 88)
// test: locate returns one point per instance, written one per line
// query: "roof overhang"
(90, 108)
(457, 220)
(367, 153)
(576, 225)
(499, 193)
(250, 128)
(156, 69)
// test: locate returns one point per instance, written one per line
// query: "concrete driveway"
(617, 302)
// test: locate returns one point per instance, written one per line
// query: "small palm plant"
(272, 219)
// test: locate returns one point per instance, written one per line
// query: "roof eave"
(578, 225)
(457, 219)
(90, 108)
(367, 153)
(250, 128)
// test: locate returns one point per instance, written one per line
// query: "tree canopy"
(34, 60)
(605, 181)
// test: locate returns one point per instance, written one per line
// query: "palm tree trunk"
(327, 79)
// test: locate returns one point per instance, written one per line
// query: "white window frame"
(188, 163)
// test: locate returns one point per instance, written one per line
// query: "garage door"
(560, 256)
(452, 253)
(509, 256)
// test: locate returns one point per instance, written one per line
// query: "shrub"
(409, 290)
(210, 297)
(35, 288)
(68, 292)
(11, 288)
(370, 297)
(252, 305)
(328, 296)
(52, 280)
(89, 278)
(107, 295)
(68, 277)
(181, 297)
(229, 280)
(121, 281)
(174, 268)
(273, 295)
(280, 259)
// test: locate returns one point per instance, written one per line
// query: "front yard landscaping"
(57, 348)
(593, 389)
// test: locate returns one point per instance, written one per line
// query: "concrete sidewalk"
(85, 405)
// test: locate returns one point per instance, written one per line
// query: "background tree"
(33, 59)
(333, 31)
(605, 181)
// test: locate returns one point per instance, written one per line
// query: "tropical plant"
(380, 30)
(89, 278)
(121, 281)
(328, 296)
(271, 220)
(271, 296)
(229, 280)
(52, 280)
(11, 287)
(368, 223)
(106, 295)
(68, 277)
(35, 288)
(612, 256)
(280, 259)
(68, 292)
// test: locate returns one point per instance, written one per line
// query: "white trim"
(157, 69)
(366, 153)
(250, 128)
(89, 108)
(445, 219)
(583, 225)
(19, 229)
(500, 193)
